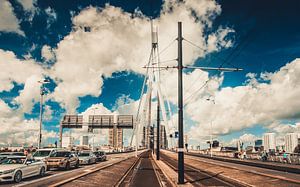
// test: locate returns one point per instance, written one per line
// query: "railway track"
(197, 177)
(234, 175)
(144, 172)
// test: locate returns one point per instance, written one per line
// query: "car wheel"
(89, 162)
(67, 166)
(18, 176)
(77, 164)
(42, 171)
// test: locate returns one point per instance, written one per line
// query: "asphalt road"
(54, 175)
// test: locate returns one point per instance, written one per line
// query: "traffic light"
(176, 134)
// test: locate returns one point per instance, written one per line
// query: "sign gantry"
(95, 122)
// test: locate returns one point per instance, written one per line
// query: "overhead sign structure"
(96, 122)
(72, 121)
(125, 121)
(101, 121)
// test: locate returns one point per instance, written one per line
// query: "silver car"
(16, 168)
(87, 157)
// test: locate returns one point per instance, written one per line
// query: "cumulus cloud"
(18, 131)
(16, 70)
(254, 103)
(52, 16)
(47, 53)
(245, 138)
(118, 41)
(25, 72)
(8, 21)
(28, 5)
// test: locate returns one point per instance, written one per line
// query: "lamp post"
(213, 101)
(42, 93)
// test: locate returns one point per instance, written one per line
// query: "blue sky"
(262, 36)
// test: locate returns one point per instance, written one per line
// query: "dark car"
(101, 156)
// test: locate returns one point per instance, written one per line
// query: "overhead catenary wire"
(164, 49)
(190, 97)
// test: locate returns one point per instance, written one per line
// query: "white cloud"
(16, 130)
(245, 138)
(52, 16)
(8, 21)
(16, 70)
(47, 53)
(256, 102)
(28, 5)
(119, 41)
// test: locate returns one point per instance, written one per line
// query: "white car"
(16, 168)
(87, 157)
(41, 154)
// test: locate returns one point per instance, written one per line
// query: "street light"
(42, 92)
(213, 101)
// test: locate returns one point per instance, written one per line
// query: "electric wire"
(190, 98)
(169, 45)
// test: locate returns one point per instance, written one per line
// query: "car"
(16, 168)
(4, 155)
(62, 160)
(87, 157)
(41, 154)
(100, 156)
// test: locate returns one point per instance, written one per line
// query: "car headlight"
(8, 171)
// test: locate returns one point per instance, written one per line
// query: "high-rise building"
(269, 142)
(84, 140)
(291, 141)
(146, 136)
(115, 138)
(163, 137)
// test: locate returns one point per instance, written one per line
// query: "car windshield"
(42, 153)
(18, 154)
(96, 153)
(12, 161)
(101, 153)
(83, 154)
(61, 154)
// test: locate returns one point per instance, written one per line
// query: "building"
(291, 142)
(68, 141)
(115, 138)
(84, 140)
(163, 137)
(269, 142)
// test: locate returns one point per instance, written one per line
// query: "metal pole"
(41, 117)
(180, 109)
(211, 139)
(60, 135)
(158, 131)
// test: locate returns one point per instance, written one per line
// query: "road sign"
(72, 121)
(101, 121)
(125, 121)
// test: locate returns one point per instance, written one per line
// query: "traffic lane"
(53, 172)
(46, 181)
(252, 169)
(48, 174)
